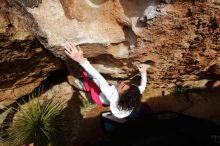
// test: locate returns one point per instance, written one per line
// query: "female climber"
(122, 98)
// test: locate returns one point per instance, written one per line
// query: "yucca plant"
(38, 122)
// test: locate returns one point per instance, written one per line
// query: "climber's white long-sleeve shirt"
(110, 92)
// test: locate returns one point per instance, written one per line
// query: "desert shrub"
(181, 90)
(38, 121)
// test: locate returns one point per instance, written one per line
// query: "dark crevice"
(54, 78)
(130, 36)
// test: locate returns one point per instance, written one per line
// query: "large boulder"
(182, 39)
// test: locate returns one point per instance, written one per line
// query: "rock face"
(181, 37)
(183, 40)
(193, 60)
(23, 62)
